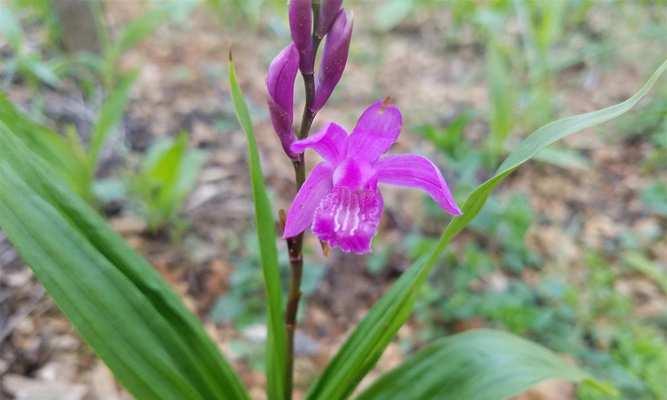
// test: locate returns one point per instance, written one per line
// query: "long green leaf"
(266, 236)
(47, 144)
(365, 346)
(118, 303)
(64, 154)
(476, 365)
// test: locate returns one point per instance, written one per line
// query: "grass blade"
(266, 236)
(365, 346)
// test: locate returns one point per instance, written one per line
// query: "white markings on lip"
(348, 218)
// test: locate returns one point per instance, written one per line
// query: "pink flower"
(340, 200)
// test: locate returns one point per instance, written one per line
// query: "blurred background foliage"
(498, 275)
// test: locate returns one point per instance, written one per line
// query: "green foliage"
(115, 299)
(480, 365)
(502, 100)
(26, 61)
(266, 236)
(627, 357)
(75, 162)
(508, 223)
(131, 35)
(167, 175)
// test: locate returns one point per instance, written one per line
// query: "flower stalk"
(295, 244)
(310, 21)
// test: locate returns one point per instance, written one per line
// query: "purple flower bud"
(280, 87)
(301, 27)
(328, 11)
(334, 59)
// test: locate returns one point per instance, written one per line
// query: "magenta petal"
(349, 219)
(328, 11)
(376, 131)
(417, 172)
(329, 143)
(334, 59)
(301, 27)
(300, 213)
(280, 87)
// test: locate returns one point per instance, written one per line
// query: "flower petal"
(349, 219)
(376, 130)
(280, 87)
(417, 172)
(301, 27)
(328, 11)
(316, 187)
(329, 143)
(334, 59)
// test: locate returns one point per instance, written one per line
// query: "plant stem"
(295, 244)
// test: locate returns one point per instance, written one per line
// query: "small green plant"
(75, 161)
(166, 176)
(24, 60)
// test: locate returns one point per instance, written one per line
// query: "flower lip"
(348, 219)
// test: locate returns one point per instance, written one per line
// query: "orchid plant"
(157, 348)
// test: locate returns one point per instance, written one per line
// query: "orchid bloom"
(340, 200)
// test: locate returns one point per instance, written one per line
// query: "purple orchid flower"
(340, 200)
(280, 88)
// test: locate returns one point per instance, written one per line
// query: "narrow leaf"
(118, 303)
(365, 346)
(266, 236)
(476, 365)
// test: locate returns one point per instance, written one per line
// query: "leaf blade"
(475, 365)
(266, 236)
(114, 298)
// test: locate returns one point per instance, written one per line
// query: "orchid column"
(311, 21)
